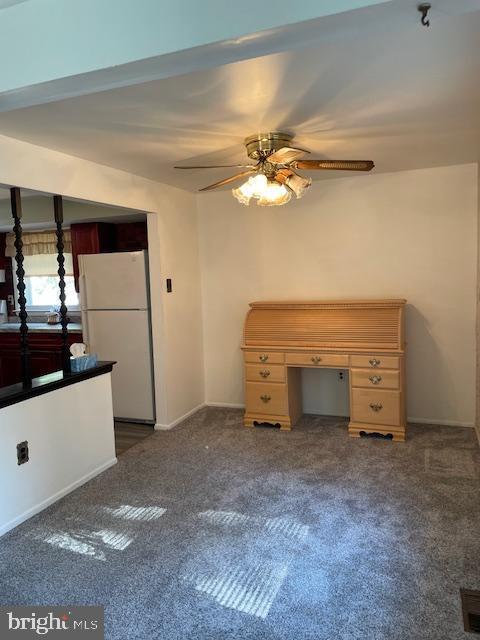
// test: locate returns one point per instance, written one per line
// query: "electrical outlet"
(11, 301)
(340, 375)
(22, 452)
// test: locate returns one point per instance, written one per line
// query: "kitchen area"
(107, 296)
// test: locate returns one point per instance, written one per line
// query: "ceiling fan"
(273, 175)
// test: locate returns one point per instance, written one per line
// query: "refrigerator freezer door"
(113, 280)
(124, 336)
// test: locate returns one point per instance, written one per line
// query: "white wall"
(38, 211)
(70, 437)
(172, 249)
(407, 234)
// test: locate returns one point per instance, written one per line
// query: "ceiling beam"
(54, 50)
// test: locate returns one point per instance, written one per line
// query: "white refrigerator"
(115, 305)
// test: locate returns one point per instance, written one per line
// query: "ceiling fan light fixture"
(298, 185)
(267, 193)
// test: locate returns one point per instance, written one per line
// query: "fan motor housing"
(261, 145)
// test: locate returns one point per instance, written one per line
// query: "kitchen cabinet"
(45, 354)
(105, 237)
(90, 237)
(131, 236)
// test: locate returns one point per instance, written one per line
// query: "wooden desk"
(364, 336)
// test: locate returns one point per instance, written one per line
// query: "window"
(41, 282)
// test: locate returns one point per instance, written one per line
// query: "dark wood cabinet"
(45, 354)
(105, 237)
(131, 236)
(90, 237)
(7, 287)
(10, 371)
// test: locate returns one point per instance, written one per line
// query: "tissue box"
(82, 363)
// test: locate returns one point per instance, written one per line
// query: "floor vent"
(375, 434)
(471, 610)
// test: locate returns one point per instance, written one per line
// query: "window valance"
(38, 243)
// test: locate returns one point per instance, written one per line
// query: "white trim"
(442, 423)
(227, 405)
(56, 496)
(167, 427)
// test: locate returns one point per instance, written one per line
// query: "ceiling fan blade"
(285, 154)
(227, 180)
(219, 166)
(342, 165)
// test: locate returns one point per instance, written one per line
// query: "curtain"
(44, 264)
(38, 243)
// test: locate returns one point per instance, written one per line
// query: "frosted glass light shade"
(267, 193)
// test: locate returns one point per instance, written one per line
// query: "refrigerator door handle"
(86, 338)
(83, 293)
(84, 307)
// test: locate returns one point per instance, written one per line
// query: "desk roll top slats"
(364, 336)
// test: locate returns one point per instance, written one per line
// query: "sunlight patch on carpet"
(289, 528)
(64, 540)
(88, 543)
(251, 590)
(113, 539)
(142, 514)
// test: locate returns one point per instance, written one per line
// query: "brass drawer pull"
(376, 406)
(375, 379)
(316, 359)
(263, 357)
(265, 373)
(374, 362)
(265, 398)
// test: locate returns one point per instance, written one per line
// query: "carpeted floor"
(212, 531)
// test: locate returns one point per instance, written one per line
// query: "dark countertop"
(50, 382)
(40, 327)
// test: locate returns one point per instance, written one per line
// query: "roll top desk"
(366, 337)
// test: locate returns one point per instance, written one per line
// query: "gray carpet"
(212, 531)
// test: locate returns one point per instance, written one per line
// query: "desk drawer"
(265, 372)
(380, 379)
(375, 362)
(272, 357)
(316, 360)
(267, 398)
(376, 406)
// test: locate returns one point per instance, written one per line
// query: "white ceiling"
(4, 4)
(405, 98)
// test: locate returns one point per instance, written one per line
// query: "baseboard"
(442, 423)
(167, 427)
(56, 496)
(225, 405)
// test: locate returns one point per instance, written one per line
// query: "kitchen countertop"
(40, 327)
(49, 382)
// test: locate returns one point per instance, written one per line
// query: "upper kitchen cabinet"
(105, 237)
(131, 236)
(90, 237)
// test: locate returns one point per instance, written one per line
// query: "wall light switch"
(22, 452)
(169, 285)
